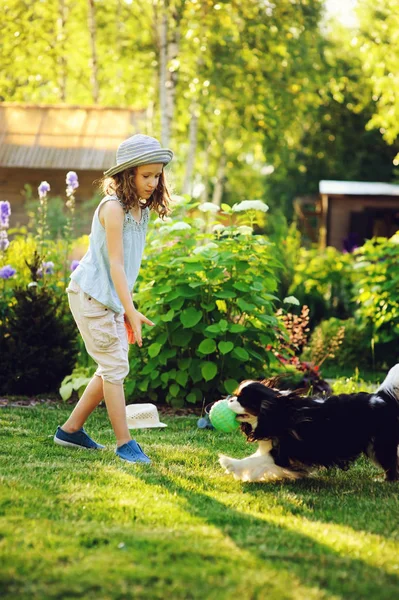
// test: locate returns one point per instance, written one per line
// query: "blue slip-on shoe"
(132, 452)
(78, 439)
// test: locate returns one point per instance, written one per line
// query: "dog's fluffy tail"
(391, 383)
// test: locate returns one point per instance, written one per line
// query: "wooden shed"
(351, 212)
(44, 142)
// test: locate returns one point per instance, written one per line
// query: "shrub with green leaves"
(212, 298)
(323, 281)
(377, 287)
(355, 351)
(377, 296)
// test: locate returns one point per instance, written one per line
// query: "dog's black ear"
(272, 419)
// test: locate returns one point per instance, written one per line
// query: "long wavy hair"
(123, 185)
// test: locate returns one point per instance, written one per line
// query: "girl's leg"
(114, 396)
(90, 399)
(115, 363)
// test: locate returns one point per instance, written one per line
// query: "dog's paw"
(256, 475)
(230, 465)
(226, 462)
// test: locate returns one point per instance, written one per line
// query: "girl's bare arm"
(113, 216)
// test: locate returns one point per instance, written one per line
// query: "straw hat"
(139, 150)
(142, 416)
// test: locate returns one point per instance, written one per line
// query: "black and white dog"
(297, 433)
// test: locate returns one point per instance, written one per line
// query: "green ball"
(222, 418)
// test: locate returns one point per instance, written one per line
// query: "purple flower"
(4, 243)
(74, 264)
(47, 267)
(5, 212)
(43, 188)
(72, 180)
(7, 272)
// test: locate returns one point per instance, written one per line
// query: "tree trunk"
(163, 62)
(93, 61)
(219, 185)
(205, 192)
(193, 131)
(172, 71)
(169, 40)
(62, 62)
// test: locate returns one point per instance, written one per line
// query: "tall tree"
(93, 49)
(377, 43)
(62, 59)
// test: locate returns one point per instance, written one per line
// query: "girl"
(100, 289)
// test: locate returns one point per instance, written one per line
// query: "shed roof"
(357, 188)
(63, 136)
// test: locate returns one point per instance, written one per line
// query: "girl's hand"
(129, 331)
(133, 327)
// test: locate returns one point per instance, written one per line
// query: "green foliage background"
(283, 97)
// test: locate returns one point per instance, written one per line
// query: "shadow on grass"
(359, 498)
(312, 562)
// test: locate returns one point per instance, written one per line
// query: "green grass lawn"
(81, 524)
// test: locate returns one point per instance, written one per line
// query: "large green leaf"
(154, 375)
(177, 304)
(154, 350)
(237, 328)
(246, 306)
(150, 366)
(184, 363)
(208, 370)
(168, 316)
(195, 267)
(161, 339)
(165, 377)
(185, 291)
(214, 328)
(182, 378)
(66, 390)
(190, 317)
(174, 390)
(143, 385)
(164, 289)
(182, 337)
(256, 355)
(225, 347)
(240, 353)
(223, 324)
(230, 385)
(207, 346)
(195, 371)
(208, 306)
(242, 287)
(172, 295)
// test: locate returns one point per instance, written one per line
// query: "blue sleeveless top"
(93, 272)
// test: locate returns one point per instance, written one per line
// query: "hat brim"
(131, 426)
(163, 155)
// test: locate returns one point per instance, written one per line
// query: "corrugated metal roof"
(358, 188)
(59, 136)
